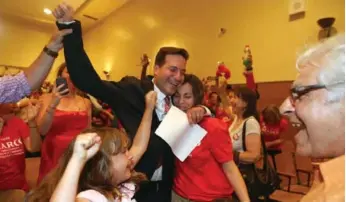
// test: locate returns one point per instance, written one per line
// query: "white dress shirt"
(160, 112)
(160, 103)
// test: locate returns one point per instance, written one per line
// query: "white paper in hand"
(179, 134)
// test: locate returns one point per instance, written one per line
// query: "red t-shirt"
(12, 154)
(272, 132)
(222, 115)
(200, 177)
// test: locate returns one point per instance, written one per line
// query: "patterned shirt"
(13, 88)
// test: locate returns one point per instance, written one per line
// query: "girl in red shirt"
(272, 126)
(16, 137)
(209, 173)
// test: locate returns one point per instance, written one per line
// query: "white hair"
(329, 57)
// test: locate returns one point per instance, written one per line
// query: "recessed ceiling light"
(47, 11)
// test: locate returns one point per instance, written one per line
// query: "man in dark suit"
(126, 98)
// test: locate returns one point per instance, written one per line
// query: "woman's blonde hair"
(97, 173)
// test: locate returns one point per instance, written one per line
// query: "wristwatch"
(50, 52)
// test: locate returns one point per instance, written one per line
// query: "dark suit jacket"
(127, 99)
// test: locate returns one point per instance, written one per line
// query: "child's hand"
(86, 146)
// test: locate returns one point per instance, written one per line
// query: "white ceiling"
(32, 10)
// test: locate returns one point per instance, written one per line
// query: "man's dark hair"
(161, 55)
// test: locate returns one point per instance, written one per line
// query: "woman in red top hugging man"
(209, 173)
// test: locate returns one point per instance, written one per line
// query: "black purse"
(260, 181)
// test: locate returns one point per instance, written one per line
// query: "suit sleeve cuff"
(207, 110)
(66, 25)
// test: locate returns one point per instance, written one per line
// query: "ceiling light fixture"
(47, 11)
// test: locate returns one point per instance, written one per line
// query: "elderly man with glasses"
(317, 108)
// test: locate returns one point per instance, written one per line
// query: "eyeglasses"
(299, 91)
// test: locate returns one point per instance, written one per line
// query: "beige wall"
(22, 41)
(144, 26)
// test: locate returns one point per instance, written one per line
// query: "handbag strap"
(243, 135)
(265, 154)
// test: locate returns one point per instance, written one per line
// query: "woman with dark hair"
(63, 115)
(272, 126)
(245, 115)
(209, 173)
(245, 127)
